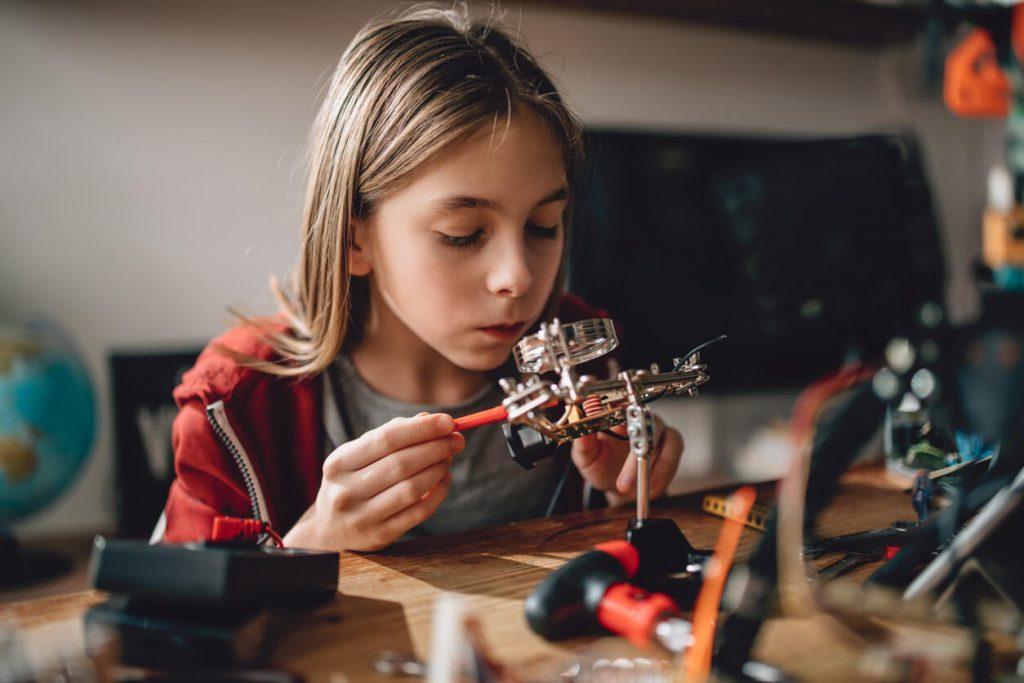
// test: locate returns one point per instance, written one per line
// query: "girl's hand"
(607, 464)
(377, 487)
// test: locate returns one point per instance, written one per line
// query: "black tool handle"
(565, 603)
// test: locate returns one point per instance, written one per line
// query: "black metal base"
(21, 567)
(663, 547)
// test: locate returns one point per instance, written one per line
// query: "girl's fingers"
(405, 493)
(626, 481)
(420, 511)
(395, 435)
(598, 457)
(402, 465)
(585, 450)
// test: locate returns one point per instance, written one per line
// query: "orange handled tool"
(489, 416)
(484, 417)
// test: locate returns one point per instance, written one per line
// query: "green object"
(923, 455)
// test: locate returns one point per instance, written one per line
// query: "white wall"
(150, 152)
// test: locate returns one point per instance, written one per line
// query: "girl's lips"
(503, 331)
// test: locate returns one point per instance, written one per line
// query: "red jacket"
(249, 444)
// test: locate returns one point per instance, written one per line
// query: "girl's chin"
(481, 360)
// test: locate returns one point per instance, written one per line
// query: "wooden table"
(386, 599)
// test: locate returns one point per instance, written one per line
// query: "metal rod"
(976, 531)
(643, 504)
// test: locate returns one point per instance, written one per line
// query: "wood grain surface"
(386, 600)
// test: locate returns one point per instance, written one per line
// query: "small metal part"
(845, 565)
(574, 343)
(764, 673)
(674, 634)
(592, 405)
(588, 405)
(757, 518)
(896, 534)
(396, 664)
(640, 428)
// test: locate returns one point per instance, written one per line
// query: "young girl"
(433, 239)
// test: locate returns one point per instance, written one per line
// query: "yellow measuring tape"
(757, 518)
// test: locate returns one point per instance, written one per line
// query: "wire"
(615, 435)
(811, 400)
(558, 489)
(702, 346)
(697, 662)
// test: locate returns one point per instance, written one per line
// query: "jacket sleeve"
(208, 482)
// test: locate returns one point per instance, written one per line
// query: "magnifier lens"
(585, 340)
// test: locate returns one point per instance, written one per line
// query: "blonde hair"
(405, 88)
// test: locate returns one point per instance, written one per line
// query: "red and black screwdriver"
(489, 416)
(593, 591)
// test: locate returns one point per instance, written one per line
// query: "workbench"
(386, 599)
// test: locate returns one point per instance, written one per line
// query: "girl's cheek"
(547, 265)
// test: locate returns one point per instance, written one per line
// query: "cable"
(700, 347)
(697, 662)
(558, 489)
(615, 435)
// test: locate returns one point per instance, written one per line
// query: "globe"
(47, 418)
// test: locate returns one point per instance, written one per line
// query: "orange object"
(484, 417)
(697, 662)
(489, 416)
(975, 84)
(633, 612)
(1002, 238)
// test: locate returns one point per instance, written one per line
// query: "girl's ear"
(358, 257)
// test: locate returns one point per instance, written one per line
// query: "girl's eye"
(460, 241)
(548, 232)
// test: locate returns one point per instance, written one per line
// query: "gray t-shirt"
(487, 488)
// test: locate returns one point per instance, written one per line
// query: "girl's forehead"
(512, 162)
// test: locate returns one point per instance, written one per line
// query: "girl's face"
(464, 257)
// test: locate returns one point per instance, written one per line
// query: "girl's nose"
(510, 274)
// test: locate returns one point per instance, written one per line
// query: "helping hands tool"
(633, 587)
(588, 404)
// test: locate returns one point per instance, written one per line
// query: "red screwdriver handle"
(489, 416)
(625, 553)
(484, 417)
(633, 612)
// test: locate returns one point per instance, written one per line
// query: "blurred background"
(151, 175)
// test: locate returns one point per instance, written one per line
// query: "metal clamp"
(640, 428)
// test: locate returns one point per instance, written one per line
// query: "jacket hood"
(217, 376)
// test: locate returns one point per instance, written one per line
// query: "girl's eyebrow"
(466, 202)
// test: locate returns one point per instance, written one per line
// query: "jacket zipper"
(222, 428)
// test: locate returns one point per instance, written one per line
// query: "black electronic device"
(213, 575)
(168, 636)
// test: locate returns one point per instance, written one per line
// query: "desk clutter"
(943, 593)
(916, 576)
